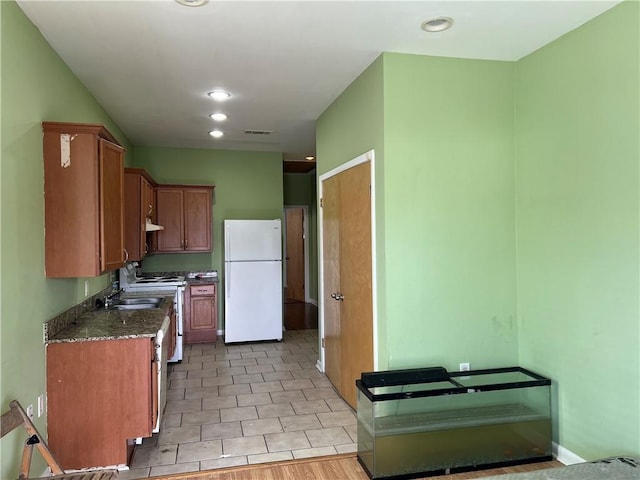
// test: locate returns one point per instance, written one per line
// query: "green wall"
(508, 231)
(248, 185)
(300, 189)
(449, 210)
(351, 126)
(36, 86)
(577, 163)
(442, 131)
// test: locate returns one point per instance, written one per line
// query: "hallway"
(300, 315)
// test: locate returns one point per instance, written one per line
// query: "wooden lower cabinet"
(201, 318)
(100, 394)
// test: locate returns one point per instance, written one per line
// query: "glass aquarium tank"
(428, 421)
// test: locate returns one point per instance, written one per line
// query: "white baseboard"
(319, 366)
(313, 301)
(565, 456)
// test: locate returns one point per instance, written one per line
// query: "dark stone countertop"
(104, 324)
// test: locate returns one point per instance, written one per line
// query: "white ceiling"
(150, 63)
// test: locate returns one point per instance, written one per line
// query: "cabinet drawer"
(202, 290)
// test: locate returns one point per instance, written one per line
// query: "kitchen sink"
(134, 306)
(141, 300)
(137, 303)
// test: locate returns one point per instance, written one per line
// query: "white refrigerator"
(252, 280)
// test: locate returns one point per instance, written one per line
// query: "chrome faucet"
(109, 298)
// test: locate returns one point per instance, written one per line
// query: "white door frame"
(365, 157)
(305, 237)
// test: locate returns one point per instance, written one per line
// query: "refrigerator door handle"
(227, 282)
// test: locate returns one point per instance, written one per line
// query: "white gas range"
(130, 282)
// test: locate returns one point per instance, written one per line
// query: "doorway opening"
(299, 312)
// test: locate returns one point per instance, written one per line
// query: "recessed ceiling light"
(219, 95)
(218, 117)
(192, 3)
(216, 133)
(437, 24)
(310, 157)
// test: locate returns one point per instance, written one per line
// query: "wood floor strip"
(334, 467)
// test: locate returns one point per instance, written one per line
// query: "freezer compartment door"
(251, 240)
(253, 301)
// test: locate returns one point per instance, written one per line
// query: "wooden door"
(295, 254)
(112, 253)
(331, 267)
(355, 277)
(347, 264)
(170, 208)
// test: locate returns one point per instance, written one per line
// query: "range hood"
(151, 227)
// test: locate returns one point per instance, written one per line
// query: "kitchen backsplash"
(62, 321)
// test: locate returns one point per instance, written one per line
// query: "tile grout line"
(293, 360)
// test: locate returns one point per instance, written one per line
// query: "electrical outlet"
(86, 288)
(30, 411)
(41, 405)
(465, 367)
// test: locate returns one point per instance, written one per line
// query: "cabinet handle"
(186, 243)
(126, 255)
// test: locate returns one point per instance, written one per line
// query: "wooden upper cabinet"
(197, 219)
(185, 212)
(151, 213)
(170, 202)
(139, 206)
(83, 191)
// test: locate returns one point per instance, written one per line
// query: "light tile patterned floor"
(245, 404)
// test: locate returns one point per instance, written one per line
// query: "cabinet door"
(201, 319)
(111, 178)
(151, 245)
(100, 394)
(153, 414)
(133, 227)
(83, 193)
(170, 205)
(197, 220)
(146, 207)
(148, 213)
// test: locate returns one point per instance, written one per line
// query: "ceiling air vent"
(257, 132)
